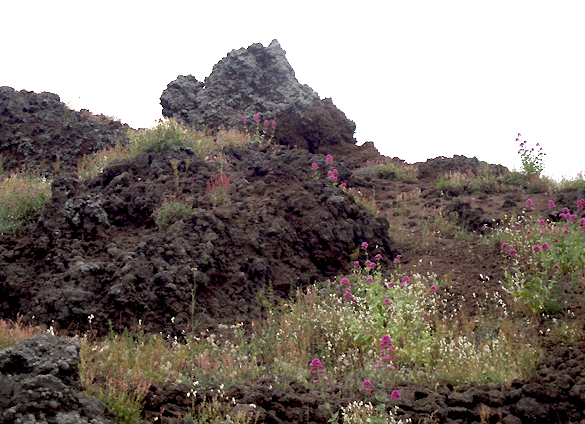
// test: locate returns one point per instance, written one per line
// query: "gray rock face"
(258, 80)
(39, 383)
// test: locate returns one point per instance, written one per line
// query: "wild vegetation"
(372, 328)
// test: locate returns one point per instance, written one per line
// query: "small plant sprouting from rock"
(262, 132)
(172, 210)
(218, 190)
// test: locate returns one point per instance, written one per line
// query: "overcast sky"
(419, 78)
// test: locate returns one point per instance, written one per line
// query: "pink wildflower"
(369, 280)
(582, 221)
(555, 267)
(344, 282)
(257, 118)
(536, 248)
(314, 166)
(328, 160)
(343, 185)
(273, 124)
(529, 204)
(348, 296)
(425, 314)
(513, 251)
(542, 223)
(367, 385)
(316, 367)
(356, 264)
(385, 342)
(378, 257)
(391, 284)
(395, 395)
(433, 288)
(528, 233)
(364, 245)
(405, 279)
(505, 245)
(386, 302)
(551, 204)
(545, 246)
(243, 119)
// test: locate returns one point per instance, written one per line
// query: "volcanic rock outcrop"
(40, 133)
(96, 250)
(39, 383)
(259, 80)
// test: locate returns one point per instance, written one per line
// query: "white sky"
(419, 78)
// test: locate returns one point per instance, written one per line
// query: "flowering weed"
(532, 161)
(260, 132)
(539, 253)
(218, 190)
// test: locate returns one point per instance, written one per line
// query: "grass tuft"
(21, 197)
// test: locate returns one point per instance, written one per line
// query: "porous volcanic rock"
(96, 249)
(39, 383)
(40, 133)
(259, 80)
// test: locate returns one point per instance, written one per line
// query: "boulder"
(39, 383)
(258, 83)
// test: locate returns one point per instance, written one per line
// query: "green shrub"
(171, 211)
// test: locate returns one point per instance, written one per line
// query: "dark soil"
(95, 250)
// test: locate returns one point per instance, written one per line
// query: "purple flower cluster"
(332, 174)
(261, 130)
(317, 368)
(566, 214)
(386, 352)
(345, 287)
(367, 385)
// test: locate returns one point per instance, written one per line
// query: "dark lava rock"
(39, 383)
(40, 133)
(97, 251)
(434, 168)
(259, 80)
(466, 216)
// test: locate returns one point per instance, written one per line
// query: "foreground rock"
(39, 383)
(259, 80)
(40, 133)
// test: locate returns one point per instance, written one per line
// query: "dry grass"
(12, 332)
